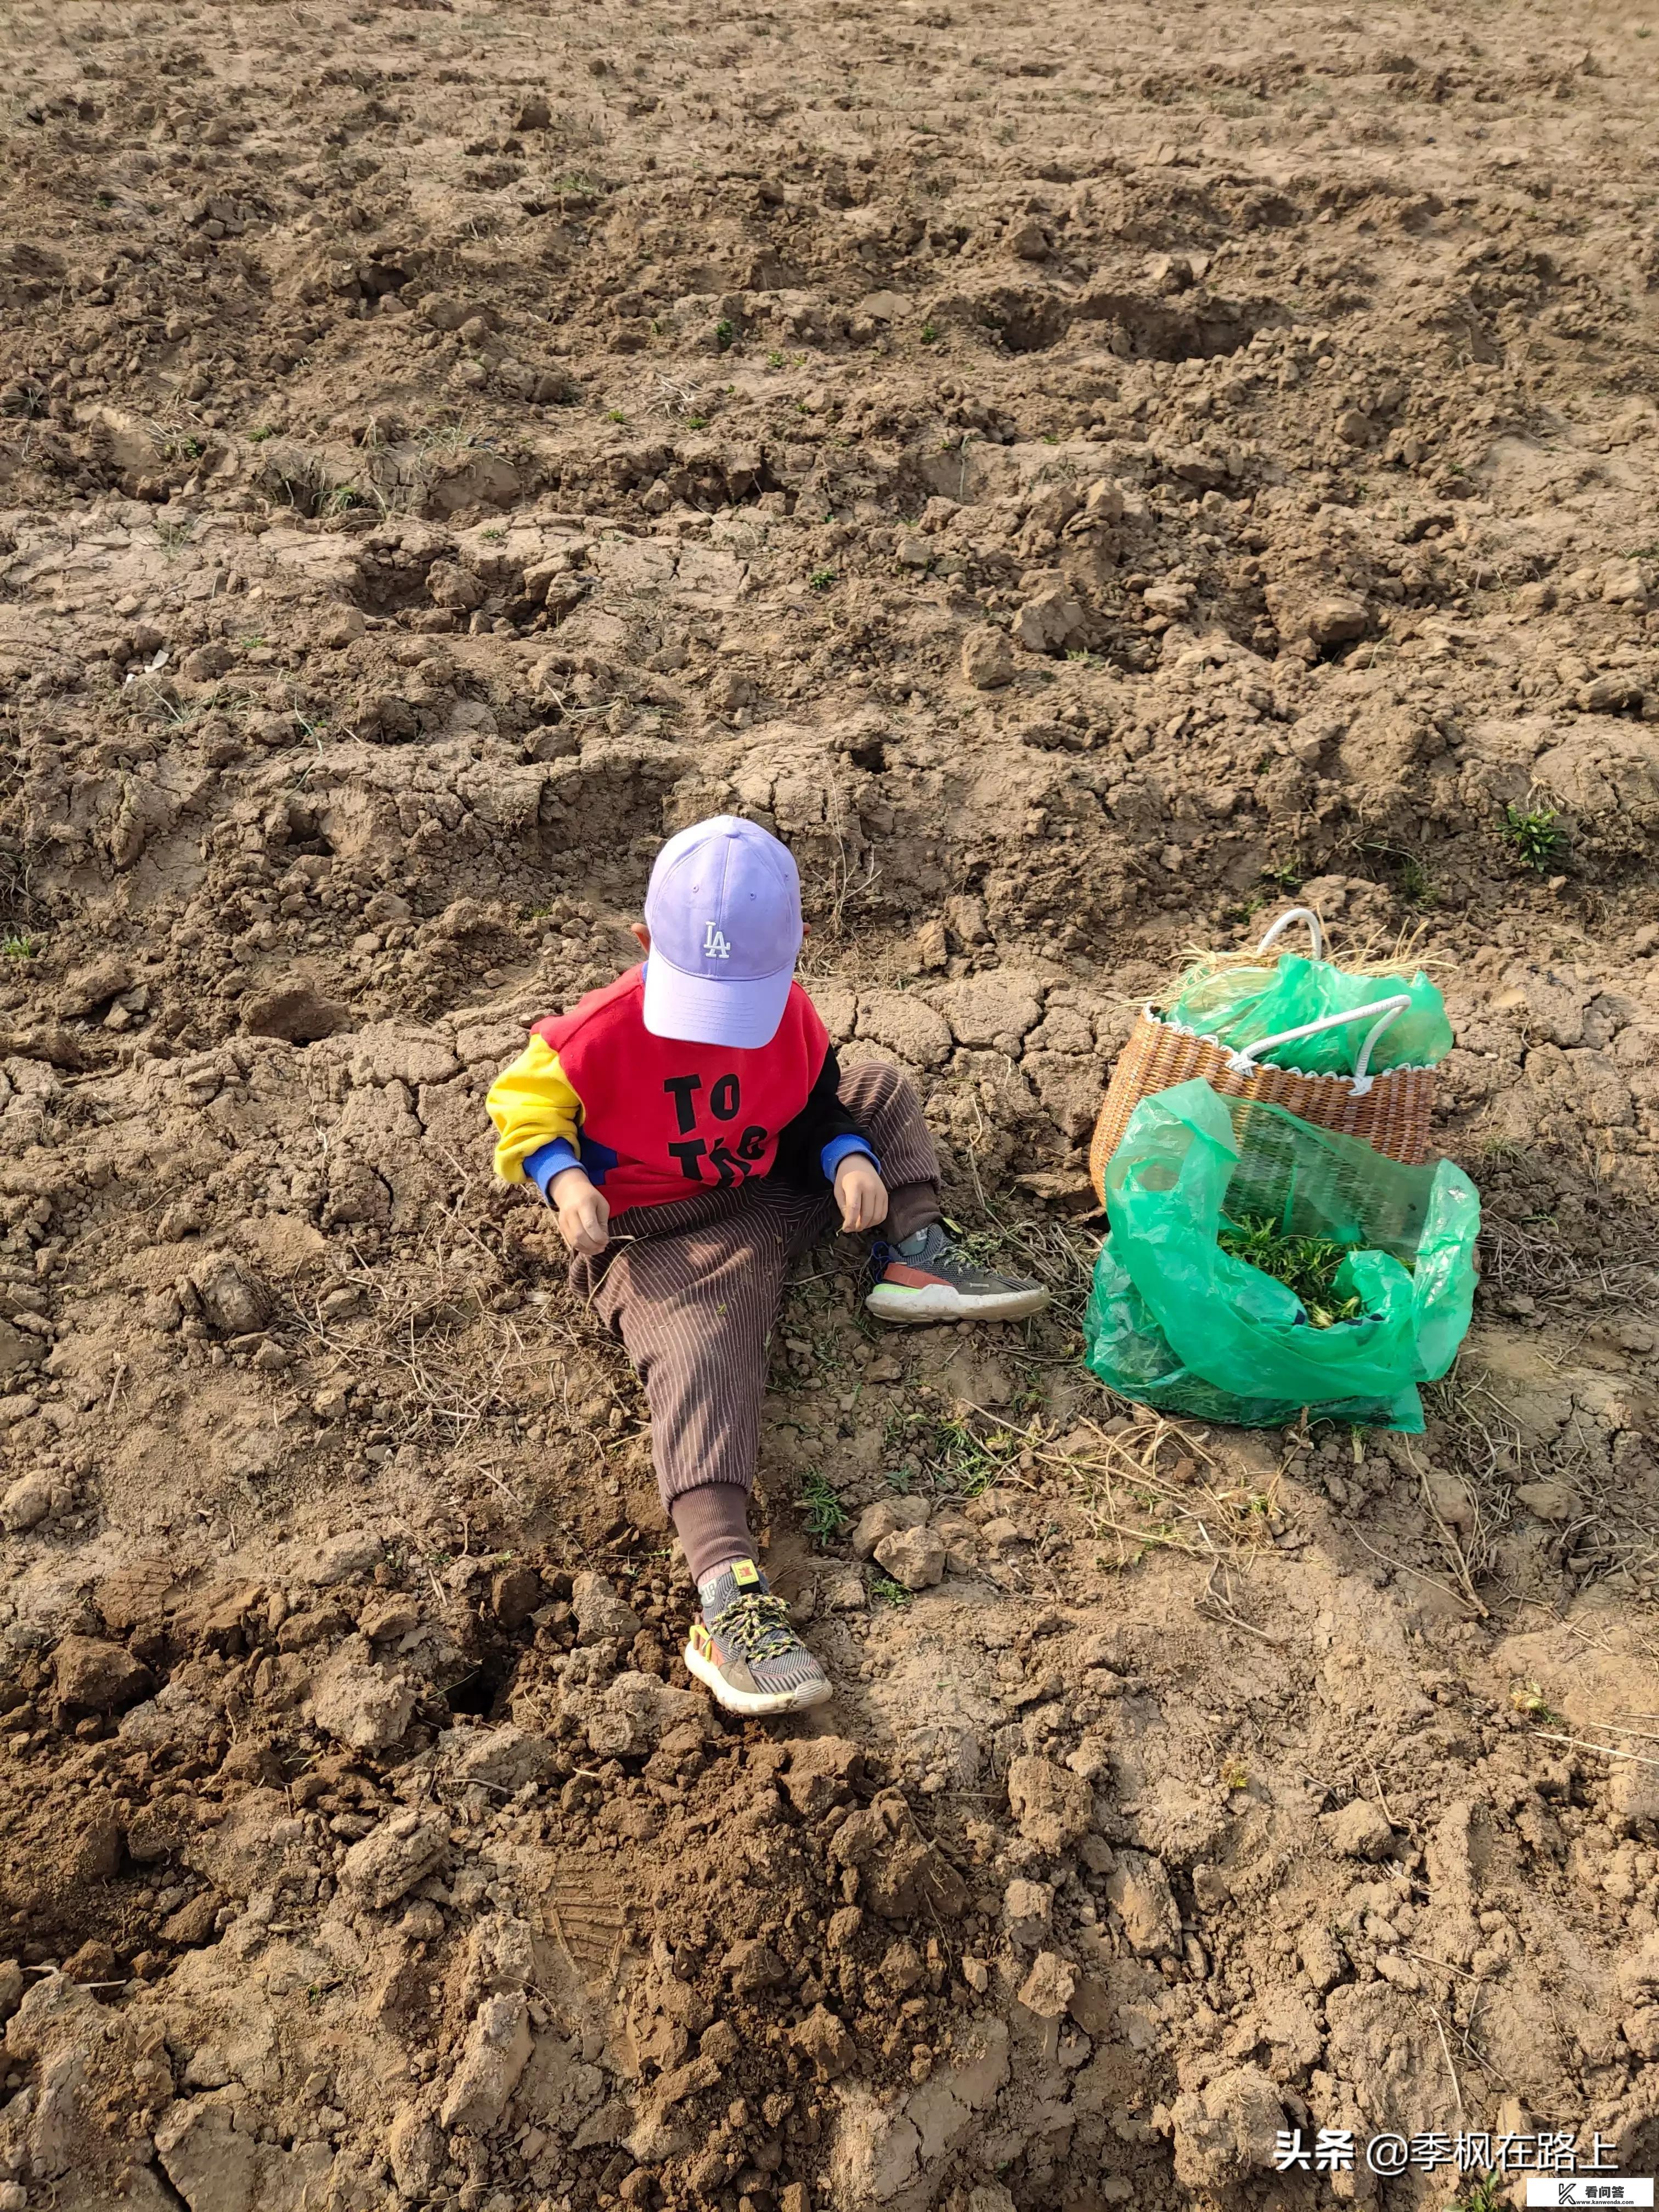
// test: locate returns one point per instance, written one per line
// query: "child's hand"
(583, 1212)
(859, 1192)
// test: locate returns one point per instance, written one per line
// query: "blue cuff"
(843, 1148)
(551, 1160)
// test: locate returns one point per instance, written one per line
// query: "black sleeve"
(823, 1116)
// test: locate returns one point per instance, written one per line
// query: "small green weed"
(1528, 1700)
(889, 1591)
(775, 359)
(1503, 1152)
(258, 437)
(615, 414)
(1306, 1265)
(492, 537)
(1481, 2193)
(724, 333)
(949, 1451)
(343, 499)
(1415, 885)
(1531, 834)
(821, 579)
(15, 946)
(697, 421)
(930, 334)
(823, 1512)
(1285, 875)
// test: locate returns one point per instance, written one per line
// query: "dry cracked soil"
(1083, 475)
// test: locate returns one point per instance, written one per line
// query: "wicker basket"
(1390, 1112)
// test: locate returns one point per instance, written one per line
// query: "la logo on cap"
(714, 944)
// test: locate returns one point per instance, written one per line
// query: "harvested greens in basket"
(1311, 1014)
(1241, 1006)
(1355, 1053)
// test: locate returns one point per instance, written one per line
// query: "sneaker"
(744, 1652)
(928, 1278)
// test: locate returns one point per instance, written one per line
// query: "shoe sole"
(930, 1302)
(755, 1705)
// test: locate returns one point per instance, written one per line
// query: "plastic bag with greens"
(1240, 1006)
(1177, 1322)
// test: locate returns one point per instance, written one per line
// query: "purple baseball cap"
(723, 908)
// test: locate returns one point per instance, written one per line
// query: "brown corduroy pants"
(692, 1289)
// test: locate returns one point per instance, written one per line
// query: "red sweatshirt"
(652, 1120)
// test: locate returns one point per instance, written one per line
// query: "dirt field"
(1081, 475)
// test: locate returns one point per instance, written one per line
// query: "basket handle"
(1297, 913)
(1389, 1010)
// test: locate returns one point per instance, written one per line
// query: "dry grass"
(1152, 1485)
(1165, 1473)
(1481, 1446)
(1612, 1528)
(1372, 954)
(1613, 1532)
(850, 874)
(421, 1323)
(1523, 1260)
(455, 1370)
(1057, 1253)
(19, 905)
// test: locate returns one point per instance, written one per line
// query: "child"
(693, 1131)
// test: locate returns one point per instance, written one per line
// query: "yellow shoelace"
(756, 1627)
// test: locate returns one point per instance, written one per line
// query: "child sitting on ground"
(694, 1132)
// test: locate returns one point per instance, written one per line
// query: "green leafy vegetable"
(1306, 1264)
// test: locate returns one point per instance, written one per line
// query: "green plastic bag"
(1177, 1323)
(1241, 1006)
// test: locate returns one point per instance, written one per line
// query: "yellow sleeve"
(531, 1105)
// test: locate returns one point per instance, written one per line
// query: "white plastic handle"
(1297, 913)
(1389, 1010)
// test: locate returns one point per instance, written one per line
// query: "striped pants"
(692, 1289)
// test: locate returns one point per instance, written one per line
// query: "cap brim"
(707, 1009)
